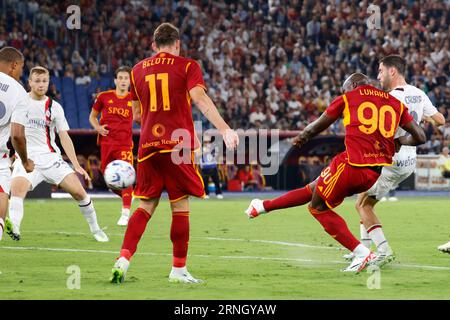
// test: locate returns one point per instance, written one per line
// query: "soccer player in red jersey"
(162, 89)
(371, 118)
(115, 136)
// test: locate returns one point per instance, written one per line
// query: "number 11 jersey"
(161, 84)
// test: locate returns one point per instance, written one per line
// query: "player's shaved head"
(166, 35)
(10, 54)
(355, 80)
(11, 62)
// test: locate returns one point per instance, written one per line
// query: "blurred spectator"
(444, 162)
(208, 164)
(247, 179)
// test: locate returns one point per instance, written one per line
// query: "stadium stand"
(281, 72)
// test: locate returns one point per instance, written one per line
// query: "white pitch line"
(219, 257)
(281, 243)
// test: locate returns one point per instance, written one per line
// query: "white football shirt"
(13, 108)
(41, 124)
(418, 105)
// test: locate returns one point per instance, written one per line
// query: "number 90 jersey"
(161, 84)
(371, 118)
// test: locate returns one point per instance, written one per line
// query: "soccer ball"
(119, 175)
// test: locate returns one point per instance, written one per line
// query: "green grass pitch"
(283, 255)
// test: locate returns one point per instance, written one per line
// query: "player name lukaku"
(227, 309)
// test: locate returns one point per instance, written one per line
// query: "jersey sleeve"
(405, 117)
(133, 92)
(194, 75)
(20, 110)
(428, 108)
(98, 103)
(60, 120)
(336, 108)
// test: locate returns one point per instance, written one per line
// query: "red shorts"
(111, 152)
(340, 180)
(159, 172)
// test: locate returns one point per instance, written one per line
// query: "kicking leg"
(72, 185)
(294, 198)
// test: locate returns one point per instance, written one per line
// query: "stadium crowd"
(267, 64)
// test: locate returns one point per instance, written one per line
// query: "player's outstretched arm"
(68, 147)
(209, 110)
(436, 119)
(417, 136)
(19, 143)
(93, 120)
(313, 129)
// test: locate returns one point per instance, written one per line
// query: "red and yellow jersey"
(117, 113)
(371, 118)
(161, 84)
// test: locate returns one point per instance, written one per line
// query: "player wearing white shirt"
(12, 107)
(391, 75)
(43, 117)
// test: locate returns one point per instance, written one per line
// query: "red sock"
(135, 230)
(290, 199)
(336, 227)
(179, 234)
(127, 197)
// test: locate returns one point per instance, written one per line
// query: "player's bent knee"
(72, 185)
(20, 187)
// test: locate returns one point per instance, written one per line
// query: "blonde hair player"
(44, 116)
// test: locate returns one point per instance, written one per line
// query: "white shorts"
(5, 180)
(389, 180)
(54, 173)
(5, 174)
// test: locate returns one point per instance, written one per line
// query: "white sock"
(377, 236)
(16, 211)
(361, 251)
(179, 271)
(2, 227)
(88, 211)
(365, 238)
(126, 212)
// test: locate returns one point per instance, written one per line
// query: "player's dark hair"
(395, 61)
(10, 54)
(165, 35)
(122, 69)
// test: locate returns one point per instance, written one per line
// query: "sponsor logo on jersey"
(413, 99)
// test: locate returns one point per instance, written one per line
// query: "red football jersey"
(371, 118)
(116, 112)
(161, 83)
